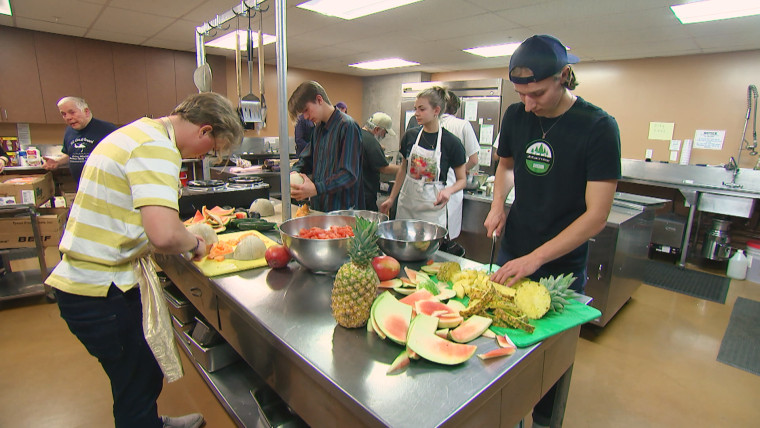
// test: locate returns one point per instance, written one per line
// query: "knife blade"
(493, 248)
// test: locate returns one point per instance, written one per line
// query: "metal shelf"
(16, 285)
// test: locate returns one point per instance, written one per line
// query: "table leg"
(562, 390)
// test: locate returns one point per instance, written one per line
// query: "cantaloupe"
(250, 248)
(205, 231)
(263, 207)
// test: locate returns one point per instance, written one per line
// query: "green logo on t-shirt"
(539, 157)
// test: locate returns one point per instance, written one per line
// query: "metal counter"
(279, 321)
(732, 192)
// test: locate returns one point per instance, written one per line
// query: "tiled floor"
(653, 365)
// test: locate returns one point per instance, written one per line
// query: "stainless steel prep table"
(280, 323)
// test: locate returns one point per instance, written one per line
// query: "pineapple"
(447, 270)
(533, 299)
(559, 290)
(355, 285)
(536, 298)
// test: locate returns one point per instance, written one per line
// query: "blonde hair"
(209, 108)
(436, 96)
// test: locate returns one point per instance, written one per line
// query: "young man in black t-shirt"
(565, 156)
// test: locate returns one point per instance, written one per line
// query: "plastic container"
(33, 157)
(737, 265)
(753, 261)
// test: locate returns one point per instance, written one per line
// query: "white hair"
(79, 102)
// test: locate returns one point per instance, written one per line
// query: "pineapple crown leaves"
(363, 246)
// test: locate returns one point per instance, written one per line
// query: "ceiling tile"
(137, 24)
(172, 9)
(67, 12)
(50, 27)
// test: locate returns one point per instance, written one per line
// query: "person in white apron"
(421, 193)
(462, 129)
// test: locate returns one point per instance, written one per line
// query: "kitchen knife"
(493, 248)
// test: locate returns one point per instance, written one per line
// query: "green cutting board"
(575, 313)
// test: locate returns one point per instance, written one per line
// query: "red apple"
(386, 267)
(277, 256)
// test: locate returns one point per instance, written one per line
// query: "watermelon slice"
(392, 317)
(417, 295)
(470, 329)
(400, 364)
(498, 352)
(423, 341)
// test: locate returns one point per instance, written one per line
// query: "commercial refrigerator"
(483, 104)
(618, 254)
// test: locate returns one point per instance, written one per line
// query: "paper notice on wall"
(709, 139)
(685, 152)
(486, 134)
(673, 155)
(675, 145)
(24, 136)
(484, 156)
(661, 130)
(471, 110)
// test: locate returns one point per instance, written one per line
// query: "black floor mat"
(740, 347)
(690, 282)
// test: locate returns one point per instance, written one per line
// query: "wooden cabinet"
(96, 77)
(184, 66)
(20, 91)
(58, 69)
(131, 82)
(162, 93)
(121, 83)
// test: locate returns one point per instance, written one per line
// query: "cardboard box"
(37, 191)
(16, 232)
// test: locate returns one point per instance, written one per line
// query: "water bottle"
(737, 265)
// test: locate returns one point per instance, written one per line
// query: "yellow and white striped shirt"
(135, 166)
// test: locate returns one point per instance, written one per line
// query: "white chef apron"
(419, 191)
(454, 207)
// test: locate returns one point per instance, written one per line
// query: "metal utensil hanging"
(261, 69)
(250, 104)
(751, 93)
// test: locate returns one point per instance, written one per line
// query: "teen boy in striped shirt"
(126, 206)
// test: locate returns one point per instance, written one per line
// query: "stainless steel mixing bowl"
(410, 240)
(317, 255)
(369, 215)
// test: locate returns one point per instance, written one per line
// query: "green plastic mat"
(575, 313)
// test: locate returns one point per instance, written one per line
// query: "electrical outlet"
(649, 153)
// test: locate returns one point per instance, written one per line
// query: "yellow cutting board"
(229, 265)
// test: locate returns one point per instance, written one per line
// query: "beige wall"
(694, 92)
(339, 87)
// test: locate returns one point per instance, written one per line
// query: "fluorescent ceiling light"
(714, 10)
(382, 64)
(5, 7)
(350, 9)
(495, 50)
(227, 41)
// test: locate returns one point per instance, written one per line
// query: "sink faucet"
(732, 166)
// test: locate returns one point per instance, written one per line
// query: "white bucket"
(753, 256)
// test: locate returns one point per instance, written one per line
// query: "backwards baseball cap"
(383, 121)
(544, 55)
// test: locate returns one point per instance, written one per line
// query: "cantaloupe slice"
(423, 341)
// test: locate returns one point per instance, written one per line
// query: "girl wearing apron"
(420, 191)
